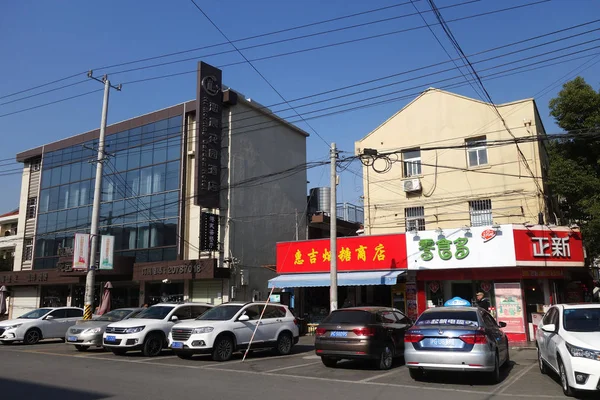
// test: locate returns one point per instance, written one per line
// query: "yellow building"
(449, 169)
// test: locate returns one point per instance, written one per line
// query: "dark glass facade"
(140, 194)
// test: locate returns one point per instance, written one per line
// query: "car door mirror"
(502, 324)
(550, 328)
(244, 318)
(49, 318)
(174, 318)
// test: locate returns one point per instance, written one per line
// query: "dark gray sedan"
(86, 334)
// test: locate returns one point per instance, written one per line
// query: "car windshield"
(114, 315)
(35, 314)
(582, 320)
(458, 317)
(349, 317)
(155, 312)
(220, 313)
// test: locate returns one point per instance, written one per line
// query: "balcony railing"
(9, 241)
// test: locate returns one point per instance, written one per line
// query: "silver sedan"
(86, 334)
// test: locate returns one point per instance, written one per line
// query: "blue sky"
(43, 41)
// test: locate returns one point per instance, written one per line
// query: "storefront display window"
(54, 296)
(164, 292)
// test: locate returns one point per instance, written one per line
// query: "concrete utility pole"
(90, 278)
(333, 298)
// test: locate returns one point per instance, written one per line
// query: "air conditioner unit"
(411, 185)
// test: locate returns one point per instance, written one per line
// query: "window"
(349, 317)
(481, 212)
(62, 313)
(31, 207)
(411, 161)
(415, 218)
(548, 317)
(183, 313)
(74, 313)
(198, 311)
(402, 319)
(35, 165)
(253, 312)
(274, 312)
(28, 251)
(386, 317)
(476, 152)
(489, 320)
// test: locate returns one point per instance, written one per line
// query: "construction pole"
(333, 296)
(90, 278)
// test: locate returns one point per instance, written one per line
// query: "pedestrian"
(482, 301)
(596, 292)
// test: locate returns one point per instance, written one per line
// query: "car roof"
(371, 309)
(451, 308)
(574, 306)
(182, 304)
(60, 308)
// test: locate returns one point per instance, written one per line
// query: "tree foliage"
(574, 173)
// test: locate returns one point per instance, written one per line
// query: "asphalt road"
(54, 370)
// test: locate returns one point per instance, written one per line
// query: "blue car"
(456, 338)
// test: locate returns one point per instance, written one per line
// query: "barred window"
(415, 218)
(31, 207)
(481, 212)
(28, 250)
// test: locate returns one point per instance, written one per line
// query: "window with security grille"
(28, 250)
(415, 218)
(476, 152)
(411, 161)
(31, 207)
(481, 212)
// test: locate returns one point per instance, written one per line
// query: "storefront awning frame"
(344, 279)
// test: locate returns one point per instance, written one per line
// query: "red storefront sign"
(543, 246)
(357, 253)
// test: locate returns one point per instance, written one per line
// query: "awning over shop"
(344, 279)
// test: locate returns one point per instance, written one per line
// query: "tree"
(574, 173)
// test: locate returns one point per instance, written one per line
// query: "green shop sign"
(444, 248)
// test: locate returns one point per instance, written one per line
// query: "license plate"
(338, 334)
(442, 342)
(177, 345)
(111, 338)
(72, 339)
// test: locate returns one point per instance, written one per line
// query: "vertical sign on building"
(107, 248)
(209, 235)
(81, 251)
(209, 104)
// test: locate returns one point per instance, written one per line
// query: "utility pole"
(333, 298)
(90, 278)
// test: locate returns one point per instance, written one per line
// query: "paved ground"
(53, 370)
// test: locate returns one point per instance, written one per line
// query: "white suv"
(228, 328)
(568, 341)
(148, 330)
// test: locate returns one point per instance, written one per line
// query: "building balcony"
(9, 241)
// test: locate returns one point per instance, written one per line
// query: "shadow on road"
(12, 389)
(466, 378)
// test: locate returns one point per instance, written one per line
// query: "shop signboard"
(548, 246)
(476, 247)
(509, 307)
(381, 252)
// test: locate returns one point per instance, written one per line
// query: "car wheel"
(153, 345)
(495, 374)
(541, 362)
(81, 348)
(223, 349)
(329, 362)
(32, 336)
(118, 352)
(284, 344)
(416, 374)
(567, 390)
(386, 358)
(184, 356)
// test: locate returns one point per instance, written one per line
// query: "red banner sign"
(357, 253)
(543, 246)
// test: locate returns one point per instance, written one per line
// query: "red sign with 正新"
(543, 246)
(354, 253)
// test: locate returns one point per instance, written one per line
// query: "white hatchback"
(568, 342)
(42, 323)
(230, 327)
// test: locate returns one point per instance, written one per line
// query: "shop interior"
(163, 292)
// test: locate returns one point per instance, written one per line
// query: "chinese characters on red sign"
(353, 253)
(555, 246)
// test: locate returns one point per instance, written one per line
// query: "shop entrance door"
(463, 290)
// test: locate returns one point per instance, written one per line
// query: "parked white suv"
(42, 323)
(227, 328)
(148, 330)
(568, 342)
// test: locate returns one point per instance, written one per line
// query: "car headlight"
(584, 353)
(92, 330)
(15, 326)
(206, 329)
(135, 329)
